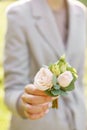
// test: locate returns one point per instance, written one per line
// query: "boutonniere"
(57, 79)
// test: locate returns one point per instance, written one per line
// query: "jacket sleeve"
(16, 59)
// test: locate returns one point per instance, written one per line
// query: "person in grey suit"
(38, 33)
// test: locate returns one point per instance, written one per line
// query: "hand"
(36, 102)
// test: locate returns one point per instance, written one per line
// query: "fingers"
(35, 100)
(35, 116)
(36, 112)
(30, 89)
(36, 109)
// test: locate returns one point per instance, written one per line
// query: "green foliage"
(56, 87)
(54, 80)
(84, 1)
(70, 87)
(54, 68)
(48, 92)
(58, 92)
(4, 113)
(61, 66)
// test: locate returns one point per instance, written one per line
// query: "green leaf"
(62, 58)
(63, 68)
(54, 68)
(55, 92)
(56, 87)
(70, 87)
(50, 66)
(48, 92)
(54, 80)
(58, 92)
(73, 71)
(75, 76)
(63, 93)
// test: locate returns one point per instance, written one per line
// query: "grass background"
(4, 113)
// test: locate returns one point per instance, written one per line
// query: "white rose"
(65, 79)
(43, 79)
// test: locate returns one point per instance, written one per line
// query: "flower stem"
(55, 104)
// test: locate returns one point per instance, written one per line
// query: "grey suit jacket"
(32, 40)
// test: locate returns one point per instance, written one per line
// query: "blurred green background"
(4, 113)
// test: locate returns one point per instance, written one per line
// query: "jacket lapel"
(73, 31)
(46, 25)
